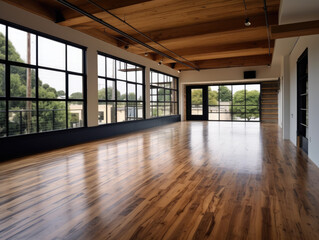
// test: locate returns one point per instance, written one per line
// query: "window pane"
(3, 117)
(121, 90)
(2, 80)
(110, 67)
(24, 44)
(213, 109)
(167, 95)
(75, 59)
(101, 65)
(167, 110)
(252, 116)
(154, 78)
(226, 108)
(2, 41)
(225, 95)
(131, 111)
(197, 102)
(238, 109)
(153, 94)
(110, 90)
(225, 116)
(51, 53)
(101, 89)
(252, 94)
(238, 94)
(120, 70)
(121, 112)
(139, 75)
(75, 114)
(153, 109)
(160, 109)
(239, 117)
(75, 87)
(102, 113)
(213, 116)
(140, 110)
(213, 95)
(51, 84)
(22, 82)
(111, 112)
(131, 92)
(161, 94)
(131, 73)
(22, 117)
(52, 115)
(139, 92)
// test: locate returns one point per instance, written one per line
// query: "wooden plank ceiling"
(209, 33)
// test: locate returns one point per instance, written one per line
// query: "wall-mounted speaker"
(249, 74)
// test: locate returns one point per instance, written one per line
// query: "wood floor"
(189, 180)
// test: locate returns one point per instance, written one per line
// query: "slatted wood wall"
(269, 101)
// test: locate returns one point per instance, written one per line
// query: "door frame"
(189, 116)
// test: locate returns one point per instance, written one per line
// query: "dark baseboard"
(23, 145)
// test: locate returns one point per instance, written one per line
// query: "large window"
(234, 102)
(163, 95)
(120, 90)
(42, 82)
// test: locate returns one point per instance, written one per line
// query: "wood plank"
(222, 51)
(230, 62)
(37, 7)
(73, 18)
(216, 27)
(187, 180)
(294, 29)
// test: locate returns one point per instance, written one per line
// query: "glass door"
(197, 102)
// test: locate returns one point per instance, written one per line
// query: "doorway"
(302, 102)
(197, 103)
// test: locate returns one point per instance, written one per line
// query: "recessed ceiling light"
(247, 22)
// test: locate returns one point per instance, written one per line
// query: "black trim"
(26, 29)
(23, 145)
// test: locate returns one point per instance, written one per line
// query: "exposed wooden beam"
(256, 60)
(108, 5)
(223, 51)
(294, 29)
(40, 8)
(226, 25)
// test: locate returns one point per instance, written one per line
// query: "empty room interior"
(159, 119)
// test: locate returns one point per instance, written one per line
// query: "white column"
(92, 91)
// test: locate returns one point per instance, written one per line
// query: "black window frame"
(116, 80)
(153, 103)
(7, 63)
(232, 104)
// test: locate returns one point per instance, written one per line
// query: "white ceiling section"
(293, 11)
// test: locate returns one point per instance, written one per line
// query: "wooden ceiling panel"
(208, 32)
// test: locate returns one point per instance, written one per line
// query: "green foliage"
(252, 98)
(197, 98)
(224, 94)
(51, 117)
(212, 97)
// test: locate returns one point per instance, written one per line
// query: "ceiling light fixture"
(179, 71)
(247, 22)
(126, 47)
(146, 54)
(160, 62)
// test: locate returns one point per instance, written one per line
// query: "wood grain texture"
(176, 24)
(188, 180)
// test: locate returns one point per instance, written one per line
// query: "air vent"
(249, 74)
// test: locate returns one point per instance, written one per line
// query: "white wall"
(312, 43)
(222, 75)
(26, 19)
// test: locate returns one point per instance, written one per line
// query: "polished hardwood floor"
(188, 180)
